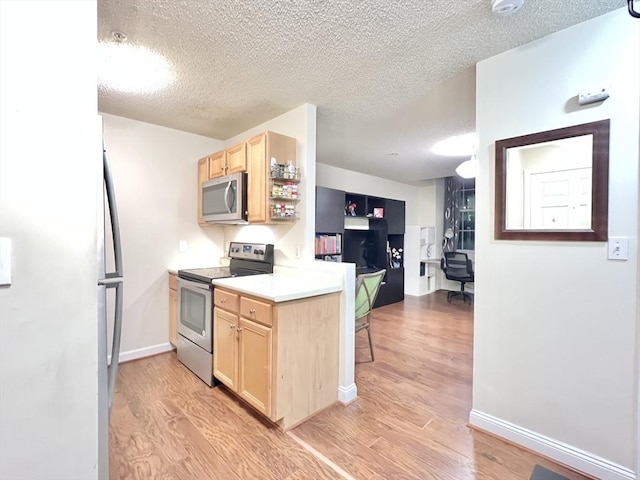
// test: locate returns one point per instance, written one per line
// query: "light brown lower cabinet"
(280, 358)
(173, 309)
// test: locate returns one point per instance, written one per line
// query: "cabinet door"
(225, 348)
(257, 181)
(237, 158)
(217, 164)
(394, 213)
(392, 290)
(203, 176)
(173, 316)
(330, 206)
(255, 365)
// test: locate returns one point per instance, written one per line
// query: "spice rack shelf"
(283, 193)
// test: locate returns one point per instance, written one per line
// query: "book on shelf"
(329, 244)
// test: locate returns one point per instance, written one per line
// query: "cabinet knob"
(252, 311)
(239, 329)
(232, 326)
(223, 300)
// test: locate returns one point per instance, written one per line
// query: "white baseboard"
(560, 452)
(347, 394)
(143, 352)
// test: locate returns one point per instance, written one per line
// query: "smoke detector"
(505, 7)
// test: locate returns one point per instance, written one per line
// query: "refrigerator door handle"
(113, 212)
(115, 346)
(113, 279)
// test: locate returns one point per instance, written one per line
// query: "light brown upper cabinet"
(231, 160)
(236, 158)
(262, 151)
(217, 164)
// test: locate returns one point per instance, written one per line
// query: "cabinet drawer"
(257, 311)
(173, 282)
(226, 300)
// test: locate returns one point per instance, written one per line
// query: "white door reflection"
(548, 185)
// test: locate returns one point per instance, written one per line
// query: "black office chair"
(457, 267)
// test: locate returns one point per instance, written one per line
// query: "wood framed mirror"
(554, 185)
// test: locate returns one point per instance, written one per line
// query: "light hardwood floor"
(409, 422)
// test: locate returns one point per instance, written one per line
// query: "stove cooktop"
(206, 274)
(246, 259)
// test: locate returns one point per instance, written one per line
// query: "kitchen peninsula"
(276, 343)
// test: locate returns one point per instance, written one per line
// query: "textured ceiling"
(387, 76)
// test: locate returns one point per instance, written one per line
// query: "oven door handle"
(188, 283)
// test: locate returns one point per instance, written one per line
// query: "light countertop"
(280, 288)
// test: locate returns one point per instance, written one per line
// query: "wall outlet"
(618, 248)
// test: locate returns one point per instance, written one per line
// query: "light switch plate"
(618, 248)
(5, 261)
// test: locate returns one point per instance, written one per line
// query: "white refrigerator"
(107, 372)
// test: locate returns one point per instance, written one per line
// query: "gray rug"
(541, 473)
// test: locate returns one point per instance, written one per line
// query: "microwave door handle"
(226, 197)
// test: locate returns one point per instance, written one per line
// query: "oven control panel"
(251, 251)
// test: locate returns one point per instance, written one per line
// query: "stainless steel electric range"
(195, 303)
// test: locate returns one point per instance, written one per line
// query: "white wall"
(299, 123)
(155, 177)
(424, 207)
(556, 322)
(355, 182)
(49, 162)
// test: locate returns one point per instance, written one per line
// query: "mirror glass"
(553, 185)
(549, 185)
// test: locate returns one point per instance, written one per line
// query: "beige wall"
(556, 322)
(155, 177)
(50, 164)
(349, 181)
(288, 238)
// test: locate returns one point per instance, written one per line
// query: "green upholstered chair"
(367, 288)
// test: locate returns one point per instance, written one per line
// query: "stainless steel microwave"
(224, 199)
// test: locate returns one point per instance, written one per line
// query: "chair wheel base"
(465, 296)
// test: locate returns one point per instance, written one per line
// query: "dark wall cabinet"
(395, 215)
(368, 248)
(392, 290)
(330, 205)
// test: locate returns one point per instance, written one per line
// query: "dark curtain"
(453, 186)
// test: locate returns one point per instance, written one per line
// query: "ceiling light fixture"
(132, 69)
(456, 146)
(505, 7)
(469, 168)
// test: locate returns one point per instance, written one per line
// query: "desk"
(428, 274)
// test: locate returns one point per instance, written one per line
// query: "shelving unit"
(283, 192)
(377, 223)
(329, 247)
(421, 268)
